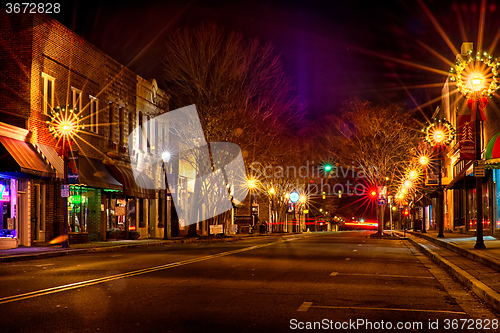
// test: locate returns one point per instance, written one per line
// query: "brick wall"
(94, 215)
(15, 68)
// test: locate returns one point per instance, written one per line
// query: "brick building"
(44, 65)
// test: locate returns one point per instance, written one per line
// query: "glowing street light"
(476, 82)
(423, 160)
(252, 183)
(440, 133)
(64, 124)
(477, 77)
(165, 156)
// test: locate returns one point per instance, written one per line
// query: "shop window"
(8, 207)
(40, 211)
(78, 203)
(48, 88)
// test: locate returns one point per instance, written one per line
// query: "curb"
(60, 253)
(487, 294)
(472, 255)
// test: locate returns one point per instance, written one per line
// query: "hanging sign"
(466, 138)
(72, 168)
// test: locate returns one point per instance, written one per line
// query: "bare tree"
(240, 90)
(239, 87)
(377, 140)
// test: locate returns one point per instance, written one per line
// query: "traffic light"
(406, 212)
(327, 167)
(373, 194)
(324, 195)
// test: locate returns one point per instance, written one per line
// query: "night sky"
(333, 50)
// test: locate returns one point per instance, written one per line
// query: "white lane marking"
(305, 306)
(347, 258)
(354, 250)
(81, 284)
(382, 309)
(334, 273)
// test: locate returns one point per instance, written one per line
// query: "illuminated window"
(111, 116)
(121, 115)
(77, 99)
(94, 119)
(48, 84)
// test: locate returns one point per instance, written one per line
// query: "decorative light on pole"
(440, 133)
(477, 78)
(64, 124)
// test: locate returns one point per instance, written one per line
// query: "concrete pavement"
(479, 270)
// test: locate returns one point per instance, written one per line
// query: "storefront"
(492, 156)
(21, 168)
(139, 201)
(92, 202)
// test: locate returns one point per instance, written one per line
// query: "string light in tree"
(481, 68)
(439, 132)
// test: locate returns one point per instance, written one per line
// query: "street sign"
(382, 201)
(216, 229)
(479, 168)
(64, 190)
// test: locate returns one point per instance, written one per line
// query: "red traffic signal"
(406, 212)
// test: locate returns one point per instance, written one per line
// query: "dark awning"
(142, 187)
(462, 181)
(94, 173)
(20, 156)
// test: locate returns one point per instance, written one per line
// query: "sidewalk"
(479, 270)
(39, 252)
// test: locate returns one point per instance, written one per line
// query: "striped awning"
(53, 158)
(20, 157)
(492, 154)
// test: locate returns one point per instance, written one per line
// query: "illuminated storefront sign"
(4, 194)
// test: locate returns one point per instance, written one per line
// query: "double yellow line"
(87, 283)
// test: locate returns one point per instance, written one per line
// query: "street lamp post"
(424, 161)
(271, 210)
(166, 155)
(64, 124)
(439, 134)
(477, 77)
(476, 83)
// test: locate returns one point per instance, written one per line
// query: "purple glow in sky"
(333, 50)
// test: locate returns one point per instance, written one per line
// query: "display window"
(8, 207)
(78, 208)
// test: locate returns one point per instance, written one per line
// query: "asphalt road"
(341, 281)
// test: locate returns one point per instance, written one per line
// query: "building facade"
(45, 65)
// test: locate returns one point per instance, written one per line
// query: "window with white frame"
(93, 116)
(77, 99)
(48, 84)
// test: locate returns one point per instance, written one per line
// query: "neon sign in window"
(4, 193)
